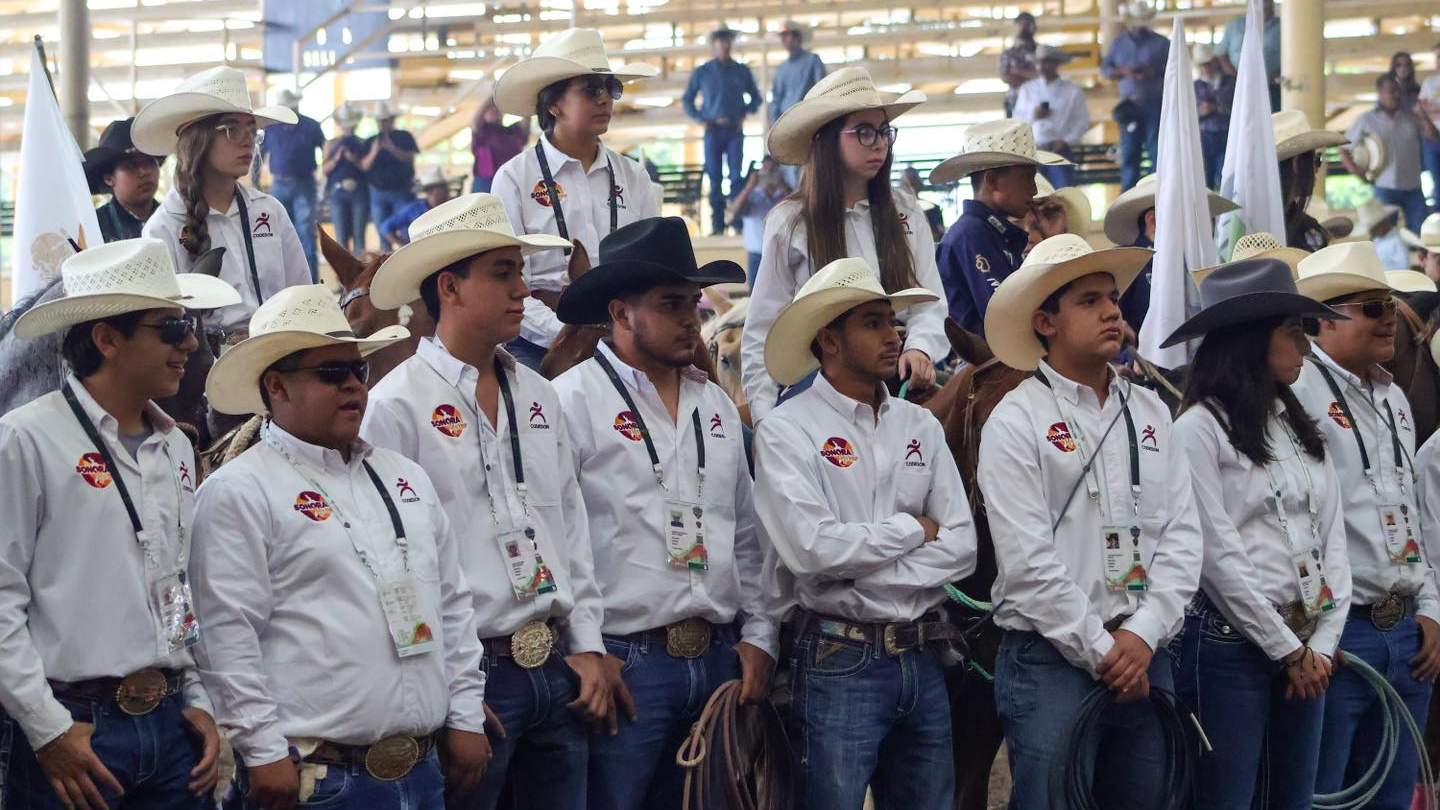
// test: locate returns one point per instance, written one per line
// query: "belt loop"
(643, 641)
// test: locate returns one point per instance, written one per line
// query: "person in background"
(1430, 107)
(130, 177)
(1379, 223)
(1137, 61)
(389, 165)
(493, 143)
(727, 94)
(1055, 109)
(793, 79)
(764, 188)
(434, 190)
(345, 182)
(1300, 150)
(1214, 95)
(907, 192)
(1430, 244)
(1017, 62)
(1403, 129)
(1233, 39)
(1402, 69)
(290, 150)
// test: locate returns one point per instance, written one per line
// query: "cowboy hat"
(1246, 291)
(1052, 264)
(1076, 204)
(433, 176)
(1409, 281)
(289, 98)
(216, 91)
(1140, 11)
(1202, 54)
(1373, 213)
(1430, 233)
(465, 226)
(1294, 135)
(1340, 270)
(1122, 220)
(992, 145)
(570, 53)
(1370, 156)
(1337, 226)
(1258, 245)
(129, 275)
(385, 111)
(723, 32)
(847, 90)
(115, 145)
(297, 318)
(637, 257)
(839, 287)
(1050, 53)
(793, 27)
(348, 115)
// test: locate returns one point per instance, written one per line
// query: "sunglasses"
(335, 373)
(598, 87)
(1374, 310)
(868, 135)
(174, 331)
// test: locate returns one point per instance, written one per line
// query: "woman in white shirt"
(1255, 656)
(841, 132)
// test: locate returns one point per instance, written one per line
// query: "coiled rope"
(736, 757)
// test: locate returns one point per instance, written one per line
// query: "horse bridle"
(969, 428)
(351, 296)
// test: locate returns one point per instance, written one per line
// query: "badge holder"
(1124, 570)
(685, 535)
(1315, 593)
(1400, 540)
(411, 628)
(529, 575)
(179, 628)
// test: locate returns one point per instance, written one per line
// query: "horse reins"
(351, 296)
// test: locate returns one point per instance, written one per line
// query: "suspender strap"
(100, 446)
(249, 245)
(395, 521)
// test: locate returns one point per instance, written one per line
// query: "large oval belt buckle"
(139, 693)
(1301, 623)
(392, 758)
(1387, 613)
(687, 639)
(532, 644)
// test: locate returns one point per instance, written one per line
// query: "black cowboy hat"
(1246, 291)
(115, 144)
(636, 258)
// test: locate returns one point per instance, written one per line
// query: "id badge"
(411, 629)
(529, 575)
(685, 535)
(1400, 539)
(1124, 570)
(178, 626)
(1315, 591)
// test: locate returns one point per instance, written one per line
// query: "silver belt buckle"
(1388, 612)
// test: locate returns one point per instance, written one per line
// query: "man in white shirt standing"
(866, 512)
(1370, 436)
(1096, 532)
(341, 645)
(1055, 109)
(661, 464)
(96, 624)
(488, 432)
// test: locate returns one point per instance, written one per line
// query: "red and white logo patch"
(1059, 435)
(407, 492)
(1148, 440)
(537, 417)
(541, 195)
(91, 467)
(1404, 421)
(717, 427)
(312, 505)
(628, 426)
(839, 452)
(1338, 414)
(447, 419)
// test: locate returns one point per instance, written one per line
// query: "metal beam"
(75, 68)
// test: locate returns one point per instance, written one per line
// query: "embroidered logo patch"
(91, 467)
(912, 451)
(717, 427)
(839, 452)
(312, 505)
(185, 478)
(1402, 419)
(1338, 414)
(404, 487)
(538, 413)
(540, 195)
(262, 221)
(905, 223)
(628, 426)
(1148, 440)
(1059, 435)
(448, 420)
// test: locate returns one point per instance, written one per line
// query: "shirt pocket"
(539, 450)
(912, 488)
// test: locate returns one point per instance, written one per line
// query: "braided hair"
(192, 155)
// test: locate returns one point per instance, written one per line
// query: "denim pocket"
(624, 650)
(330, 790)
(1216, 630)
(833, 658)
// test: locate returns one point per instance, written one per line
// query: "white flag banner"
(53, 206)
(1251, 177)
(1183, 239)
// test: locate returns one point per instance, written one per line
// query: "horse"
(721, 336)
(1413, 366)
(355, 274)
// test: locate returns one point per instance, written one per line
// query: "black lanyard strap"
(100, 446)
(553, 191)
(249, 246)
(395, 522)
(1355, 426)
(1090, 462)
(510, 420)
(645, 431)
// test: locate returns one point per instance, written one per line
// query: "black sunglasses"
(1374, 310)
(334, 372)
(598, 87)
(174, 331)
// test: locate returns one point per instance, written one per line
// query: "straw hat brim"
(1008, 327)
(793, 135)
(397, 282)
(962, 166)
(234, 383)
(1288, 255)
(1409, 281)
(1247, 308)
(1077, 209)
(157, 127)
(518, 87)
(1338, 284)
(1121, 219)
(1309, 142)
(197, 291)
(1410, 239)
(787, 347)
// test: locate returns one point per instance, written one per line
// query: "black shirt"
(389, 172)
(347, 170)
(117, 223)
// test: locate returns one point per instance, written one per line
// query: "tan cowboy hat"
(1259, 245)
(1052, 264)
(216, 91)
(1340, 270)
(1139, 11)
(1050, 53)
(1294, 135)
(1336, 225)
(839, 287)
(1409, 281)
(465, 226)
(791, 26)
(297, 318)
(1202, 54)
(385, 110)
(992, 145)
(433, 176)
(1372, 212)
(1121, 220)
(847, 90)
(570, 53)
(1430, 233)
(348, 115)
(1077, 205)
(1370, 156)
(130, 275)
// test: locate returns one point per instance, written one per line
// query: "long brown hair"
(192, 155)
(822, 210)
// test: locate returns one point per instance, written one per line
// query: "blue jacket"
(977, 253)
(722, 87)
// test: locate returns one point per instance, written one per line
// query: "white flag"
(52, 206)
(1251, 177)
(1183, 239)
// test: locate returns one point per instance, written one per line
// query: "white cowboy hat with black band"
(847, 90)
(570, 53)
(1077, 206)
(839, 287)
(465, 226)
(1247, 291)
(1294, 135)
(993, 145)
(130, 275)
(217, 91)
(297, 318)
(433, 176)
(1122, 221)
(1342, 269)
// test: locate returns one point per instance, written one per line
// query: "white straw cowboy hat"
(216, 91)
(130, 275)
(570, 53)
(839, 287)
(1077, 205)
(1052, 264)
(433, 176)
(1370, 156)
(386, 110)
(1122, 221)
(465, 226)
(992, 145)
(1430, 233)
(1372, 213)
(1050, 53)
(1140, 11)
(1340, 270)
(847, 90)
(348, 115)
(297, 318)
(1294, 135)
(1202, 54)
(1409, 281)
(1259, 245)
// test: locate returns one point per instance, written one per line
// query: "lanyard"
(554, 192)
(645, 431)
(1276, 488)
(249, 246)
(1389, 420)
(515, 455)
(1085, 472)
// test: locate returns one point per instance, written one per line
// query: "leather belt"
(687, 638)
(387, 760)
(1387, 613)
(137, 694)
(529, 647)
(894, 637)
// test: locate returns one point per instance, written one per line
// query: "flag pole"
(45, 64)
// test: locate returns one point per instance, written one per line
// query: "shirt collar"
(321, 458)
(852, 409)
(557, 159)
(450, 368)
(1380, 378)
(634, 377)
(160, 421)
(1069, 390)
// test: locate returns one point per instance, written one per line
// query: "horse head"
(721, 336)
(29, 368)
(355, 275)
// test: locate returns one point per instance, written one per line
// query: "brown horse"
(1414, 368)
(355, 275)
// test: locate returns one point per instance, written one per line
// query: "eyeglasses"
(174, 331)
(335, 373)
(598, 87)
(1374, 310)
(868, 135)
(240, 135)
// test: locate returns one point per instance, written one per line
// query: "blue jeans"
(383, 203)
(151, 756)
(544, 754)
(481, 185)
(1411, 202)
(1238, 694)
(1353, 719)
(1430, 151)
(297, 195)
(861, 716)
(1038, 695)
(636, 768)
(353, 788)
(526, 353)
(1143, 134)
(752, 265)
(350, 213)
(1059, 176)
(722, 143)
(1212, 147)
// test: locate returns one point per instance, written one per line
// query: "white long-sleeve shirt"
(279, 258)
(1427, 469)
(1372, 574)
(1069, 117)
(1248, 571)
(837, 489)
(426, 410)
(626, 505)
(785, 265)
(75, 598)
(1052, 579)
(585, 201)
(296, 643)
